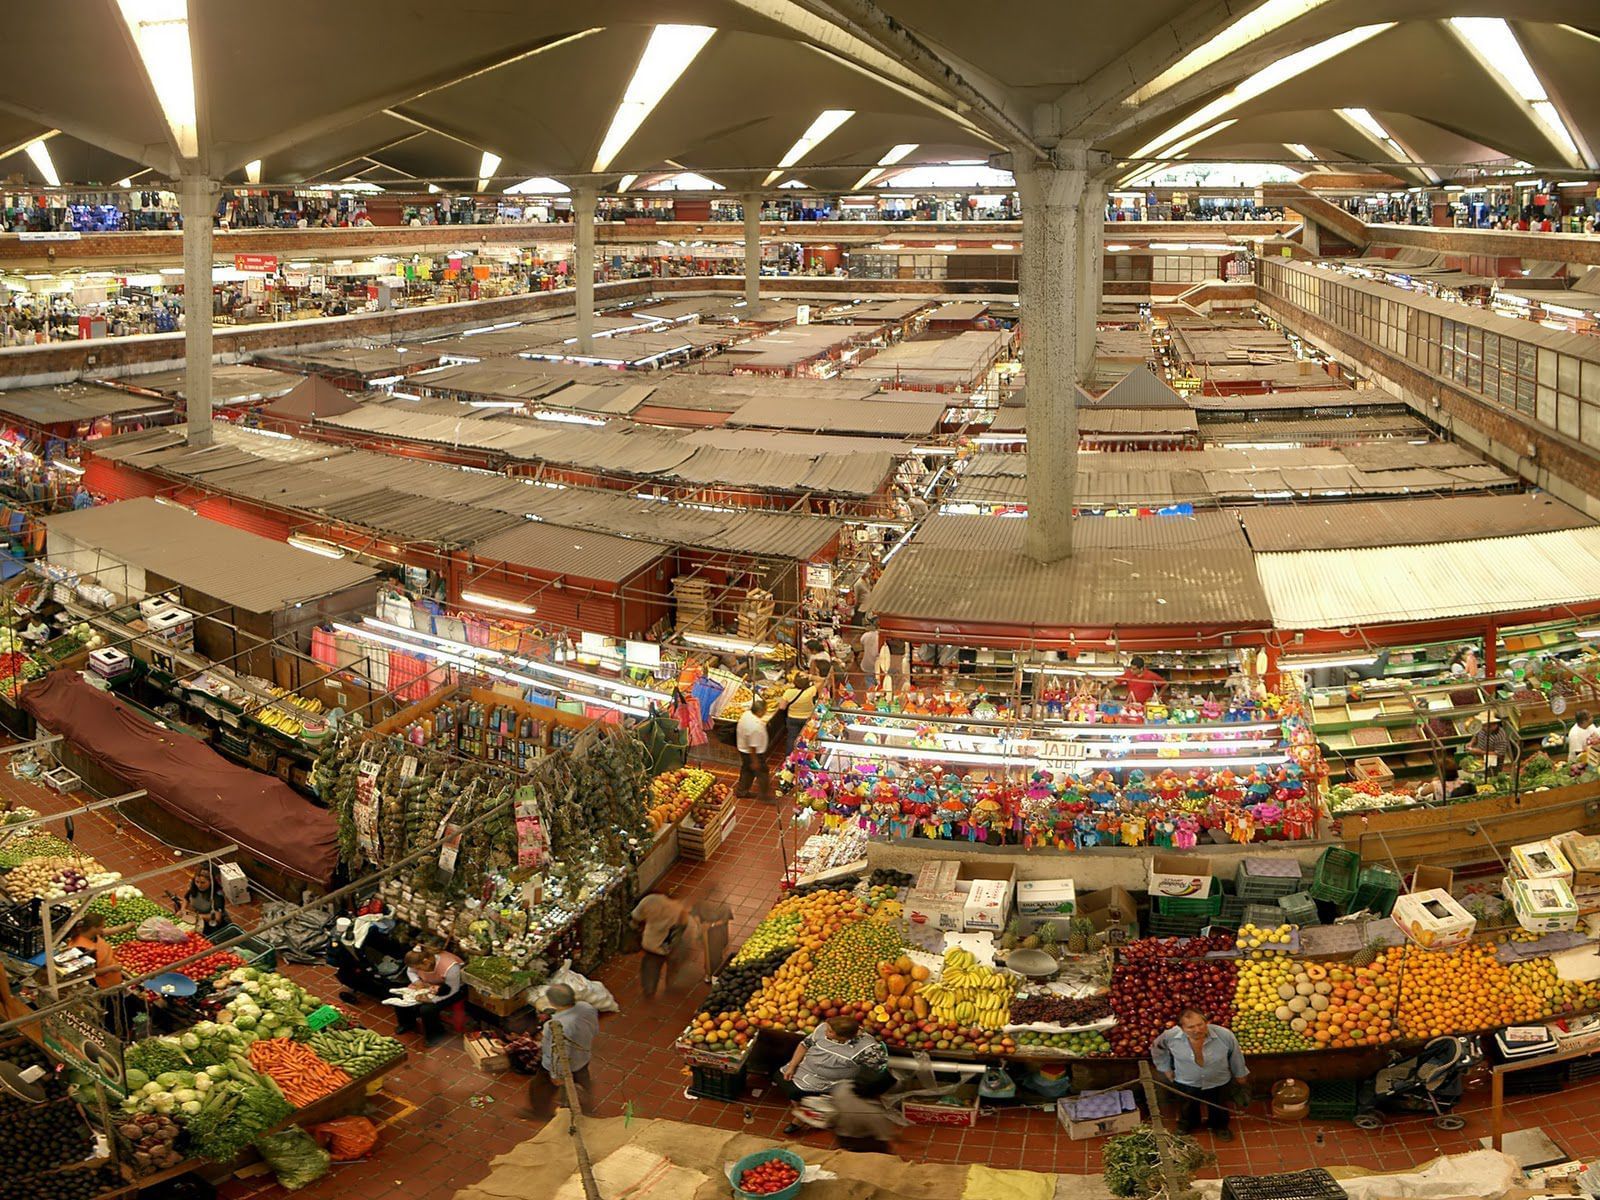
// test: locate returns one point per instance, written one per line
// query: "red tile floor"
(443, 1122)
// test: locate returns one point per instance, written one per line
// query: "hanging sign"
(257, 264)
(364, 812)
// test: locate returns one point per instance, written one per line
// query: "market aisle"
(443, 1121)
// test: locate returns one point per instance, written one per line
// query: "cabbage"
(190, 1107)
(162, 1102)
(150, 1089)
(245, 1022)
(190, 1041)
(202, 1084)
(185, 1095)
(167, 1079)
(135, 1078)
(218, 1072)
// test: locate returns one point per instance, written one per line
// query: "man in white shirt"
(1583, 734)
(871, 640)
(751, 738)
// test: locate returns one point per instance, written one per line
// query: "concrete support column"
(583, 266)
(1052, 197)
(1311, 238)
(752, 250)
(197, 197)
(1092, 244)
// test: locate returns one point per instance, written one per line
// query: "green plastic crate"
(1377, 891)
(255, 951)
(1264, 916)
(1334, 1100)
(1300, 909)
(1266, 878)
(1189, 906)
(1336, 877)
(1160, 925)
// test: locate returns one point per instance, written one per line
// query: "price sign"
(1061, 756)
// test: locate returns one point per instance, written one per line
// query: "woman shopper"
(835, 1051)
(204, 905)
(437, 975)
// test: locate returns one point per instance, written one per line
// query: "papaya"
(880, 991)
(919, 1007)
(897, 985)
(904, 965)
(919, 973)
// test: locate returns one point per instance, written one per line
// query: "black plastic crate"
(1334, 1100)
(1538, 1081)
(708, 1083)
(22, 927)
(1583, 1068)
(1315, 1184)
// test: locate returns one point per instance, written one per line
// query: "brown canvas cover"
(264, 815)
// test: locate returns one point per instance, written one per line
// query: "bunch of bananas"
(309, 703)
(285, 723)
(969, 994)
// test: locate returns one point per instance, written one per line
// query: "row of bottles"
(497, 733)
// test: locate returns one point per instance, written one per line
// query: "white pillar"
(583, 266)
(1051, 197)
(197, 201)
(1092, 244)
(752, 251)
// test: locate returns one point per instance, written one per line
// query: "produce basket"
(1267, 878)
(1336, 876)
(1374, 769)
(750, 1161)
(1315, 1184)
(709, 1083)
(1378, 889)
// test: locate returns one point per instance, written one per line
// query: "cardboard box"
(1180, 875)
(938, 877)
(988, 905)
(1427, 879)
(944, 910)
(1110, 908)
(1046, 897)
(487, 1053)
(1540, 860)
(235, 883)
(1433, 919)
(1098, 1114)
(1583, 856)
(959, 1109)
(1544, 905)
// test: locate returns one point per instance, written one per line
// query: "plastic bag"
(160, 929)
(295, 1157)
(585, 989)
(347, 1138)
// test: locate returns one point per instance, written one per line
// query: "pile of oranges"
(725, 1033)
(1361, 1008)
(1468, 989)
(822, 914)
(780, 1000)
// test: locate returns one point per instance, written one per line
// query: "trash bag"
(295, 1157)
(304, 939)
(346, 1138)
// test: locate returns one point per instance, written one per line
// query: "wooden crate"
(699, 844)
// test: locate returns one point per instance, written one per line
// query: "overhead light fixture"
(730, 645)
(487, 601)
(1002, 246)
(69, 468)
(487, 166)
(40, 154)
(1273, 75)
(1201, 136)
(666, 57)
(896, 153)
(126, 182)
(166, 502)
(160, 30)
(1300, 150)
(626, 182)
(434, 189)
(827, 121)
(1494, 44)
(313, 545)
(1271, 16)
(1332, 660)
(252, 171)
(1363, 120)
(539, 185)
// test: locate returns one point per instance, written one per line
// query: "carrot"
(299, 1072)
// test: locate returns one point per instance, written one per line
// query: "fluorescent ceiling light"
(487, 601)
(1332, 660)
(1280, 72)
(252, 171)
(434, 189)
(160, 30)
(539, 185)
(730, 645)
(1363, 120)
(827, 121)
(895, 154)
(487, 166)
(1272, 15)
(1497, 50)
(316, 546)
(40, 154)
(1201, 136)
(125, 183)
(1300, 150)
(666, 57)
(626, 182)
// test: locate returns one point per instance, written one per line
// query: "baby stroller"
(1433, 1081)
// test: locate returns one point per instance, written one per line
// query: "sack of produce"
(347, 1138)
(587, 990)
(295, 1157)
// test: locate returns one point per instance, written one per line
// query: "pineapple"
(1368, 954)
(1079, 932)
(1013, 934)
(1049, 938)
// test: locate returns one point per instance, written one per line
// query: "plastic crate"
(22, 927)
(1161, 925)
(1232, 912)
(255, 951)
(1264, 916)
(1334, 1100)
(1377, 890)
(1186, 906)
(1267, 878)
(1299, 909)
(1336, 876)
(1315, 1184)
(708, 1083)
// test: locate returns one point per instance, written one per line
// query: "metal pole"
(558, 1047)
(196, 198)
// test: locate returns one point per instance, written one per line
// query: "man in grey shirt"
(1202, 1060)
(579, 1023)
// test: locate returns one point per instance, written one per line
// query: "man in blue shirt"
(1201, 1060)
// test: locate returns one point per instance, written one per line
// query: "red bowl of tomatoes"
(768, 1175)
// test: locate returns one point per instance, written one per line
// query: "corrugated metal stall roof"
(1314, 428)
(794, 443)
(560, 551)
(903, 418)
(360, 360)
(231, 383)
(1277, 528)
(1334, 400)
(725, 393)
(1208, 583)
(1132, 422)
(1331, 589)
(387, 420)
(74, 402)
(242, 569)
(958, 361)
(1139, 388)
(411, 518)
(789, 347)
